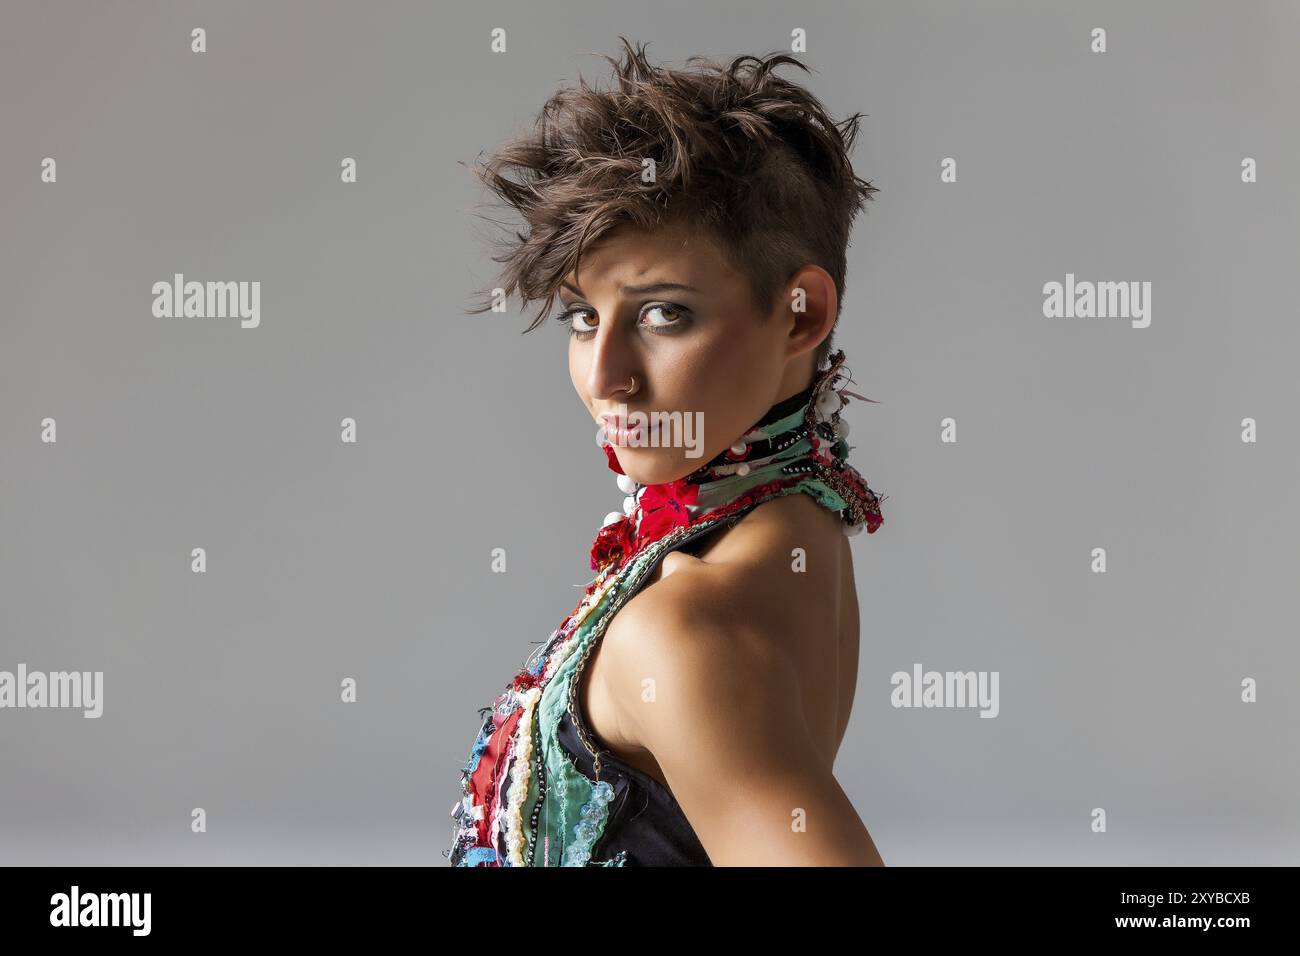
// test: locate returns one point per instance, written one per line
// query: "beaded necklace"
(524, 801)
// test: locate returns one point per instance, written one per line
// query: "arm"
(724, 721)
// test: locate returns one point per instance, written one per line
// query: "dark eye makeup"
(671, 327)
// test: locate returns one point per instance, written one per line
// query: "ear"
(809, 310)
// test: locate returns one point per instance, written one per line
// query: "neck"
(799, 376)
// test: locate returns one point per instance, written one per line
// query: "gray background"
(372, 561)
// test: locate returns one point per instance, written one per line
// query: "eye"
(682, 317)
(582, 328)
(583, 322)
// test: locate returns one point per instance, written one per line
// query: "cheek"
(726, 380)
(578, 375)
(737, 363)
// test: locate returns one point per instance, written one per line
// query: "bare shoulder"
(722, 631)
(694, 631)
(699, 682)
(701, 671)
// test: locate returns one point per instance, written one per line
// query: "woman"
(688, 711)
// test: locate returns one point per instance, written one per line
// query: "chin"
(655, 466)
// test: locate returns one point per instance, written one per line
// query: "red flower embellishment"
(612, 542)
(665, 507)
(662, 508)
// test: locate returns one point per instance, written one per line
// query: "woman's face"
(665, 309)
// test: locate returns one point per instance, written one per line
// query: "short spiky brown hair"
(738, 151)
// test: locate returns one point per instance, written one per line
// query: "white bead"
(853, 529)
(842, 429)
(742, 469)
(629, 505)
(626, 485)
(828, 403)
(738, 448)
(611, 518)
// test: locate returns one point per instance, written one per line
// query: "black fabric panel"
(645, 820)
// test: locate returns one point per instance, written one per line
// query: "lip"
(621, 434)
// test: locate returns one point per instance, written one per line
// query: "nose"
(612, 364)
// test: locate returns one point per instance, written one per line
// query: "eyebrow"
(639, 289)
